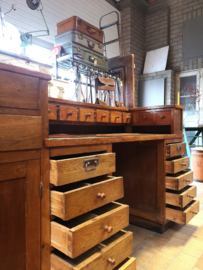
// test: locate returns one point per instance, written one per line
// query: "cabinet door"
(20, 216)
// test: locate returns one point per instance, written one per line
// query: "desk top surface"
(59, 140)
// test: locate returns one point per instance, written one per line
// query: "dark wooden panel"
(12, 225)
(19, 91)
(139, 172)
(12, 171)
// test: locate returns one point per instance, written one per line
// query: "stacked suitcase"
(81, 42)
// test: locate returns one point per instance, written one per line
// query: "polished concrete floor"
(179, 248)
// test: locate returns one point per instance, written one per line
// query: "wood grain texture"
(17, 111)
(22, 132)
(117, 249)
(53, 112)
(180, 180)
(72, 170)
(177, 165)
(86, 115)
(70, 204)
(81, 238)
(176, 149)
(12, 171)
(15, 156)
(68, 113)
(102, 116)
(19, 91)
(147, 118)
(163, 117)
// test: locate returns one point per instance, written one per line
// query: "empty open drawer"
(73, 200)
(127, 264)
(177, 165)
(181, 198)
(106, 255)
(184, 215)
(179, 180)
(65, 171)
(78, 235)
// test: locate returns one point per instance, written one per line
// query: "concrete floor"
(179, 248)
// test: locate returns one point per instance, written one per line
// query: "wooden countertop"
(59, 140)
(160, 107)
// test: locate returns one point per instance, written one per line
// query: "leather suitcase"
(80, 53)
(79, 38)
(80, 25)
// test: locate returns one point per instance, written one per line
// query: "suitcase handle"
(91, 46)
(91, 30)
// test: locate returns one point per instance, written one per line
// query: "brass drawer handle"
(178, 147)
(190, 196)
(69, 113)
(103, 115)
(91, 162)
(183, 164)
(162, 116)
(108, 229)
(101, 195)
(111, 261)
(89, 114)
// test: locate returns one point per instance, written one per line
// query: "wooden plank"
(70, 204)
(19, 91)
(14, 156)
(12, 171)
(33, 215)
(62, 151)
(144, 215)
(71, 170)
(19, 111)
(20, 132)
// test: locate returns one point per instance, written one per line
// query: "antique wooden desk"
(63, 163)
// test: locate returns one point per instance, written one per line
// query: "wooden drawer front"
(175, 149)
(78, 235)
(177, 165)
(52, 112)
(127, 264)
(116, 117)
(182, 216)
(68, 113)
(181, 198)
(119, 246)
(146, 118)
(163, 117)
(102, 116)
(180, 180)
(76, 202)
(127, 118)
(19, 91)
(86, 115)
(71, 170)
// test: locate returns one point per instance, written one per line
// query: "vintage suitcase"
(79, 38)
(80, 25)
(80, 53)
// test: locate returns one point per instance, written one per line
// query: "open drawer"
(175, 149)
(179, 180)
(106, 255)
(127, 264)
(181, 198)
(184, 215)
(69, 170)
(75, 199)
(78, 235)
(177, 165)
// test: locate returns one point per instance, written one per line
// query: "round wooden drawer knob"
(109, 229)
(101, 195)
(111, 261)
(144, 117)
(162, 116)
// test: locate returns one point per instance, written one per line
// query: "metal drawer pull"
(103, 115)
(117, 116)
(109, 229)
(49, 110)
(162, 116)
(178, 147)
(183, 164)
(69, 113)
(190, 196)
(91, 162)
(89, 114)
(101, 195)
(111, 261)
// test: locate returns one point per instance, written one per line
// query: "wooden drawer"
(117, 248)
(116, 117)
(181, 198)
(175, 149)
(177, 165)
(68, 113)
(102, 116)
(127, 264)
(86, 115)
(163, 117)
(76, 199)
(179, 180)
(78, 235)
(66, 171)
(184, 215)
(127, 118)
(52, 112)
(146, 118)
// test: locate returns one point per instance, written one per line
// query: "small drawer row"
(74, 114)
(151, 118)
